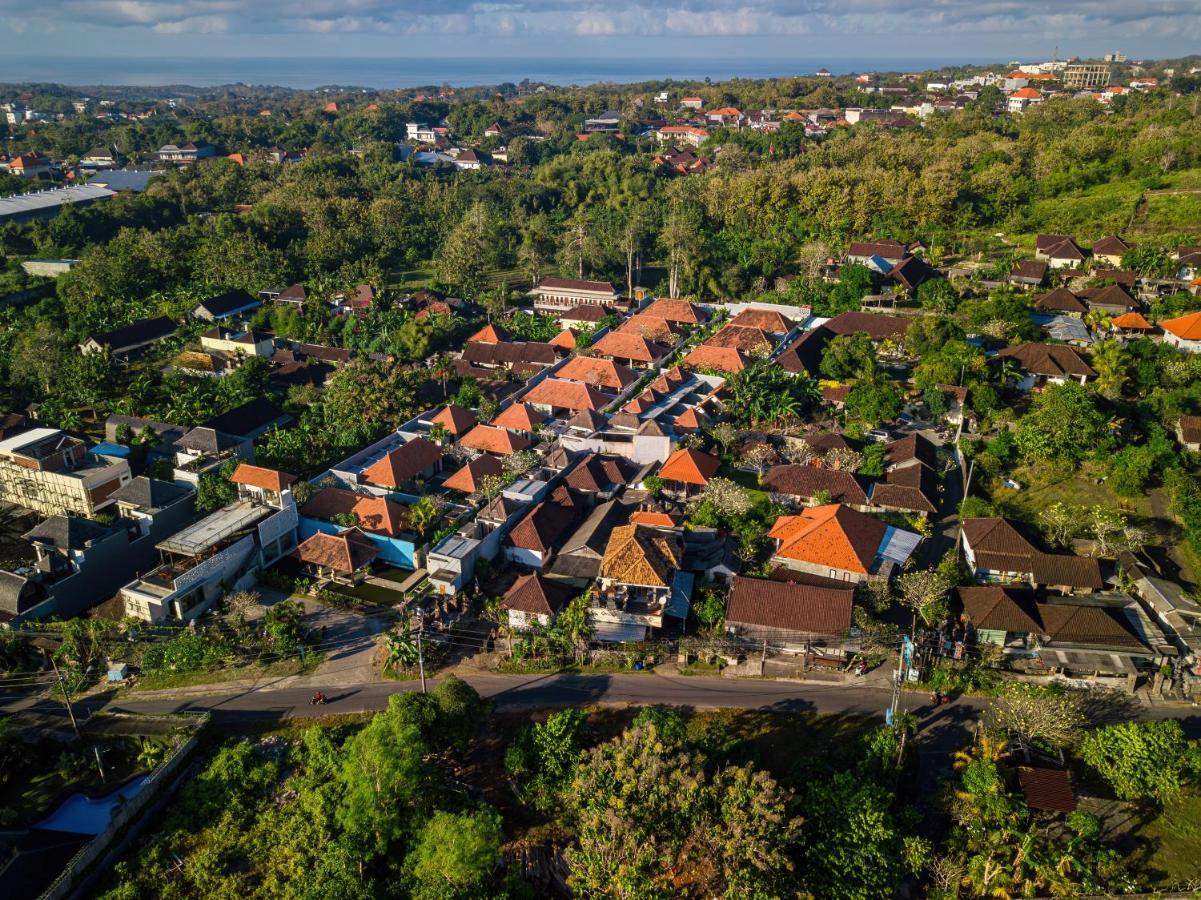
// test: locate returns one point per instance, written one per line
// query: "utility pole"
(66, 694)
(420, 654)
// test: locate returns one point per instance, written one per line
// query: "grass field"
(281, 669)
(1170, 848)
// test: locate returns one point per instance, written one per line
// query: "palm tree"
(423, 514)
(442, 370)
(401, 649)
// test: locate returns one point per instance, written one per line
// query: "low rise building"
(54, 473)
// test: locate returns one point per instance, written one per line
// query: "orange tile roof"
(403, 463)
(834, 536)
(708, 356)
(655, 519)
(1026, 93)
(565, 339)
(749, 340)
(455, 419)
(573, 395)
(653, 328)
(624, 345)
(257, 476)
(375, 514)
(469, 479)
(594, 370)
(1131, 320)
(489, 334)
(1187, 328)
(494, 440)
(766, 319)
(519, 416)
(674, 310)
(691, 419)
(689, 467)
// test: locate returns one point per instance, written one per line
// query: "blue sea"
(407, 72)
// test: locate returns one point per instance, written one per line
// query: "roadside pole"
(420, 654)
(62, 686)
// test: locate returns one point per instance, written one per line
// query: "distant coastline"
(393, 73)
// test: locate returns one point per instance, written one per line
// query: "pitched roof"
(561, 394)
(455, 419)
(654, 519)
(724, 359)
(596, 473)
(547, 525)
(691, 419)
(346, 552)
(587, 420)
(1131, 320)
(566, 339)
(742, 337)
(875, 325)
(494, 440)
(650, 327)
(1097, 626)
(594, 370)
(913, 488)
(689, 467)
(636, 554)
(520, 417)
(1029, 269)
(805, 353)
(575, 284)
(403, 463)
(1113, 295)
(149, 493)
(911, 447)
(251, 416)
(885, 248)
(1110, 246)
(469, 479)
(536, 595)
(1067, 569)
(257, 476)
(997, 535)
(518, 354)
(995, 608)
(834, 536)
(1047, 789)
(584, 312)
(807, 481)
(1060, 300)
(675, 310)
(138, 333)
(1190, 429)
(791, 607)
(374, 513)
(67, 532)
(624, 345)
(1050, 360)
(768, 320)
(1187, 328)
(489, 334)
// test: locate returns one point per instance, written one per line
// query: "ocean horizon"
(385, 73)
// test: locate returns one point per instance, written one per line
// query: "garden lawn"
(1042, 487)
(1171, 841)
(284, 668)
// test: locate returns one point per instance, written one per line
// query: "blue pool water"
(79, 814)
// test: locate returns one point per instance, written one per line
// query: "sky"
(987, 30)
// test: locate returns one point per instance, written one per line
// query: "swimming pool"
(80, 814)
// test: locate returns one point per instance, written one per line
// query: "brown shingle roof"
(403, 463)
(791, 607)
(1190, 429)
(1111, 246)
(806, 481)
(1060, 300)
(1097, 626)
(585, 312)
(1047, 789)
(494, 440)
(546, 525)
(574, 284)
(1049, 360)
(536, 595)
(650, 327)
(875, 325)
(345, 553)
(996, 535)
(995, 608)
(597, 473)
(1065, 569)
